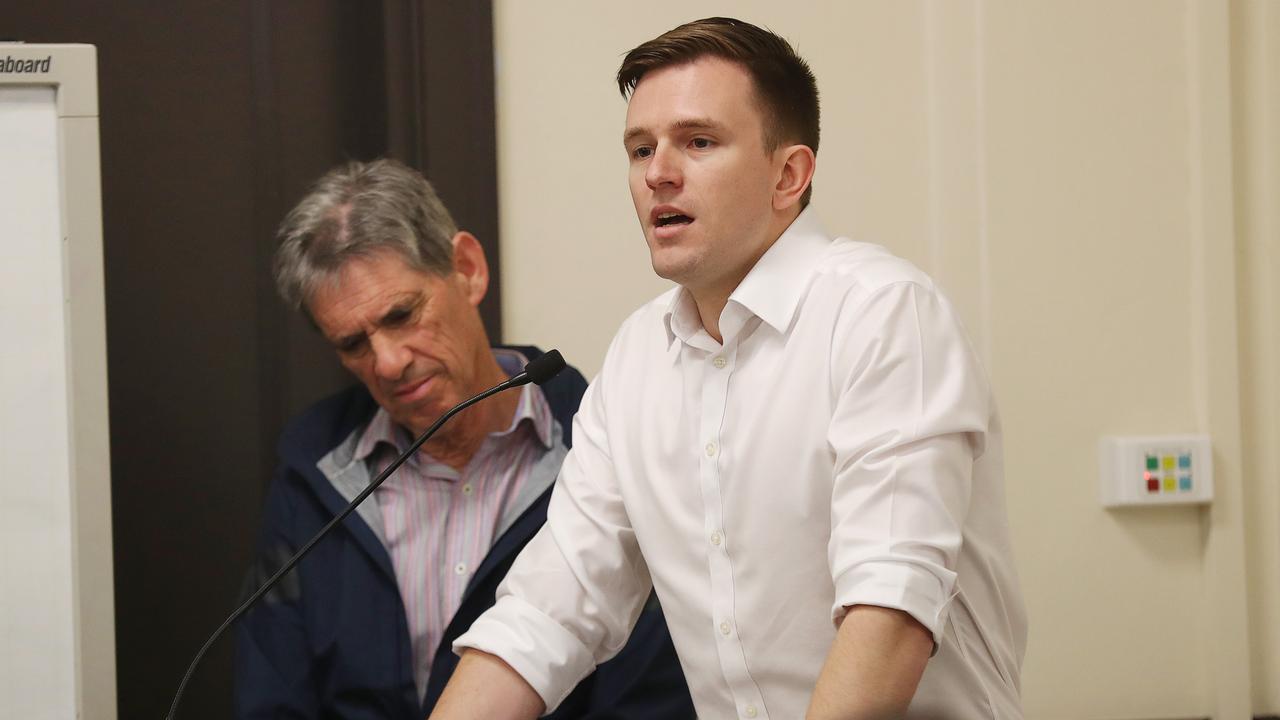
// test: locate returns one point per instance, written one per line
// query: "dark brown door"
(214, 117)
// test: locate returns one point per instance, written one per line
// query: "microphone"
(537, 371)
(540, 369)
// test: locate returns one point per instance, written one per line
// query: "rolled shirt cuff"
(550, 658)
(923, 592)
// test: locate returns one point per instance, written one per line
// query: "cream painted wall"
(1065, 169)
(1256, 91)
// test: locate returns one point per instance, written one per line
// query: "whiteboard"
(56, 607)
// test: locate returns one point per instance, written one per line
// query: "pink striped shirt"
(439, 523)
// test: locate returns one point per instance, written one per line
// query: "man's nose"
(664, 168)
(390, 356)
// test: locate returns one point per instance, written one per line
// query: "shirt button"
(711, 449)
(724, 628)
(716, 537)
(460, 569)
(467, 489)
(719, 362)
(750, 711)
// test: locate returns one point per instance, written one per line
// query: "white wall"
(1073, 173)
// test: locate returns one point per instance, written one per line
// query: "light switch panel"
(1155, 470)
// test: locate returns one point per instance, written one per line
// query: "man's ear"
(470, 266)
(794, 176)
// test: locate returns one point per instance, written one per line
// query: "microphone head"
(544, 367)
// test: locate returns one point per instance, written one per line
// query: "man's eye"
(352, 347)
(642, 152)
(397, 317)
(701, 143)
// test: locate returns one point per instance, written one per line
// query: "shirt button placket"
(715, 399)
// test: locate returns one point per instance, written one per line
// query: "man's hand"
(483, 687)
(873, 667)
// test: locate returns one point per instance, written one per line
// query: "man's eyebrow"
(700, 123)
(697, 124)
(632, 133)
(348, 340)
(407, 304)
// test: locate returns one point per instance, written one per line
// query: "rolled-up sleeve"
(573, 595)
(912, 410)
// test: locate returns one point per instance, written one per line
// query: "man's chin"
(415, 419)
(673, 269)
(418, 425)
(423, 414)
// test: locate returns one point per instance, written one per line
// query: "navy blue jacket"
(331, 640)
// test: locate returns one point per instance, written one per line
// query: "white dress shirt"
(841, 447)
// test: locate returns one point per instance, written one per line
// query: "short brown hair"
(785, 86)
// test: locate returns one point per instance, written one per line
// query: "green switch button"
(1153, 462)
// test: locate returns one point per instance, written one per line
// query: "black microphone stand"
(536, 371)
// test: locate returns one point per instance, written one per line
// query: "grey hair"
(356, 211)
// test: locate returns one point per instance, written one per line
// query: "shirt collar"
(771, 290)
(532, 408)
(681, 318)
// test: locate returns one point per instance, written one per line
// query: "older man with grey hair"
(363, 627)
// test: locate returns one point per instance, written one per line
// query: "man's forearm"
(483, 687)
(873, 667)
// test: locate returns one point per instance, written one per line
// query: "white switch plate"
(1155, 470)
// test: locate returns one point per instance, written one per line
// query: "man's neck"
(710, 306)
(711, 300)
(467, 431)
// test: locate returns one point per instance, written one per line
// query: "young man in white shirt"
(797, 447)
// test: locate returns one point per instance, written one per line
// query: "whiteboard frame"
(73, 74)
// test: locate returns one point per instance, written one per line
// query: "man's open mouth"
(666, 219)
